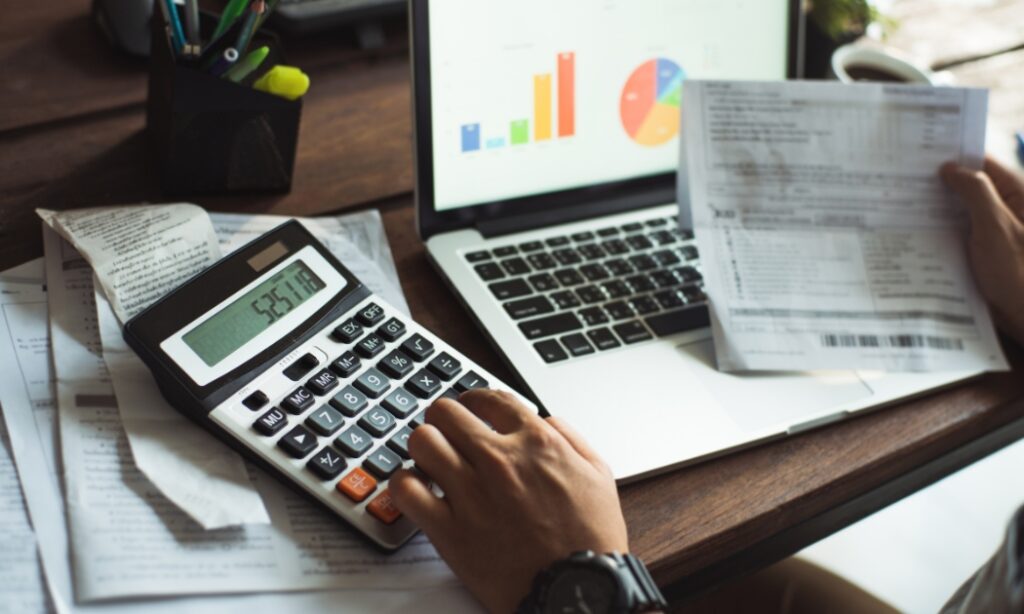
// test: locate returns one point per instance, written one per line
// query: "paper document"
(139, 254)
(28, 411)
(827, 238)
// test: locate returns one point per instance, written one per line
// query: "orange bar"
(542, 107)
(566, 94)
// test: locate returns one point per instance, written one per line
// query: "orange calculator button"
(383, 508)
(357, 485)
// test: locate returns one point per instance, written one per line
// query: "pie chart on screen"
(649, 106)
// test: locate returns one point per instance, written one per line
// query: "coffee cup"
(854, 63)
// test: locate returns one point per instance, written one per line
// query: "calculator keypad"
(344, 423)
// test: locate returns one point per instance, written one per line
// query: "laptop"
(547, 137)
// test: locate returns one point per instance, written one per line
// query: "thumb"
(987, 210)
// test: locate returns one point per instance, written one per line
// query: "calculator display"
(254, 312)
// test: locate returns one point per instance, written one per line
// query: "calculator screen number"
(252, 313)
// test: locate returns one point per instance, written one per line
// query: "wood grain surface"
(71, 135)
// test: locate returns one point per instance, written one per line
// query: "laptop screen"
(537, 96)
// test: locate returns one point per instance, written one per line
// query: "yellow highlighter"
(284, 81)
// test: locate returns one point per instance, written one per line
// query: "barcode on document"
(891, 341)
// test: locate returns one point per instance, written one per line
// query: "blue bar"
(496, 142)
(470, 137)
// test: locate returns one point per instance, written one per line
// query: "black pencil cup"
(211, 135)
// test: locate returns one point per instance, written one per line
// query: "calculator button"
(451, 393)
(348, 331)
(325, 420)
(323, 382)
(349, 401)
(418, 420)
(370, 314)
(396, 364)
(550, 351)
(383, 508)
(354, 441)
(377, 422)
(400, 403)
(400, 442)
(327, 464)
(418, 347)
(470, 381)
(256, 400)
(424, 384)
(357, 485)
(382, 462)
(445, 366)
(271, 422)
(298, 442)
(298, 401)
(392, 329)
(301, 367)
(603, 338)
(577, 344)
(346, 364)
(373, 383)
(370, 346)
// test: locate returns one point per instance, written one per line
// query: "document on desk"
(138, 254)
(826, 236)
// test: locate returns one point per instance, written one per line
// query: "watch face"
(579, 590)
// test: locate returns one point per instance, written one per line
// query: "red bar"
(566, 94)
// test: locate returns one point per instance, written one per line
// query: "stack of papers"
(113, 500)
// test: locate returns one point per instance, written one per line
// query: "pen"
(220, 64)
(249, 26)
(192, 22)
(1020, 146)
(284, 81)
(230, 14)
(177, 35)
(247, 65)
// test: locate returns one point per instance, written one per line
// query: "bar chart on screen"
(553, 115)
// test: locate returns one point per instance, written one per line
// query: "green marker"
(247, 65)
(231, 12)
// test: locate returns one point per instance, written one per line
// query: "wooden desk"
(70, 135)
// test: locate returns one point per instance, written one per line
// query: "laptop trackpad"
(764, 400)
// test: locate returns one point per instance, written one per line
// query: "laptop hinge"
(574, 213)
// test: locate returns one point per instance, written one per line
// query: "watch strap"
(641, 592)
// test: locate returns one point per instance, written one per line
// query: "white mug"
(852, 63)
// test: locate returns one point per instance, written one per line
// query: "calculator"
(284, 354)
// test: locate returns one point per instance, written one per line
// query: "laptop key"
(582, 236)
(528, 307)
(542, 261)
(569, 277)
(689, 252)
(632, 332)
(665, 257)
(640, 283)
(542, 282)
(658, 221)
(608, 232)
(632, 227)
(643, 262)
(515, 266)
(590, 294)
(550, 351)
(593, 316)
(567, 256)
(615, 247)
(639, 242)
(504, 252)
(550, 325)
(679, 321)
(478, 256)
(512, 288)
(531, 246)
(489, 271)
(644, 305)
(664, 279)
(594, 272)
(577, 345)
(565, 299)
(663, 237)
(591, 251)
(556, 241)
(603, 339)
(619, 310)
(688, 274)
(616, 289)
(694, 294)
(668, 299)
(619, 267)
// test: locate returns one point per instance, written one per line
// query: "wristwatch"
(591, 583)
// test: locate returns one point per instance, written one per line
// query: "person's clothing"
(998, 587)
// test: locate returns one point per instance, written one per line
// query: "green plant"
(840, 18)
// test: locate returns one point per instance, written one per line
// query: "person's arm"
(516, 498)
(995, 200)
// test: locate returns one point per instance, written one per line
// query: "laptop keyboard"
(574, 295)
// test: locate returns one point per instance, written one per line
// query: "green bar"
(520, 131)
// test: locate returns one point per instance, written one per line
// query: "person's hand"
(516, 498)
(995, 200)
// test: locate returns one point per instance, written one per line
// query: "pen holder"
(211, 135)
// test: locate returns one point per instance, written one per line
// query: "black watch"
(591, 583)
